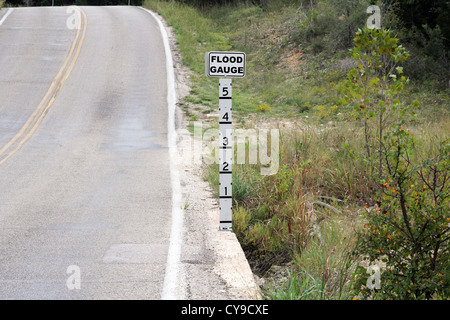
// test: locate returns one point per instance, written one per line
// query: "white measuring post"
(225, 154)
(225, 65)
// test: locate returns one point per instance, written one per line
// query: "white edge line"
(171, 290)
(6, 15)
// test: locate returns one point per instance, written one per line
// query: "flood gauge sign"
(225, 65)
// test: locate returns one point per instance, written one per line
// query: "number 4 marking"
(225, 116)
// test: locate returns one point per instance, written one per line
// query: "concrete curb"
(214, 265)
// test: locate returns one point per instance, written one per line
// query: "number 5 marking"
(225, 91)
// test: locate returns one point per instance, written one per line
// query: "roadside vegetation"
(364, 142)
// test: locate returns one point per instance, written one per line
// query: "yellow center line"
(39, 113)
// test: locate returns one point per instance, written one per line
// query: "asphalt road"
(85, 190)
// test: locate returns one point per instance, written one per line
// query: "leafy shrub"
(409, 230)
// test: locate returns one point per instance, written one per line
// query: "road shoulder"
(213, 264)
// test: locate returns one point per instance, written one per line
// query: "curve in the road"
(39, 113)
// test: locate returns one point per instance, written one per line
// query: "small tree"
(409, 230)
(374, 85)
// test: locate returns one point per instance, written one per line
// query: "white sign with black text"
(225, 64)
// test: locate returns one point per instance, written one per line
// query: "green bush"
(409, 230)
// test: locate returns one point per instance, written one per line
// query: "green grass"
(283, 71)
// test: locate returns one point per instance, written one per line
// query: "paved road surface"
(84, 163)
